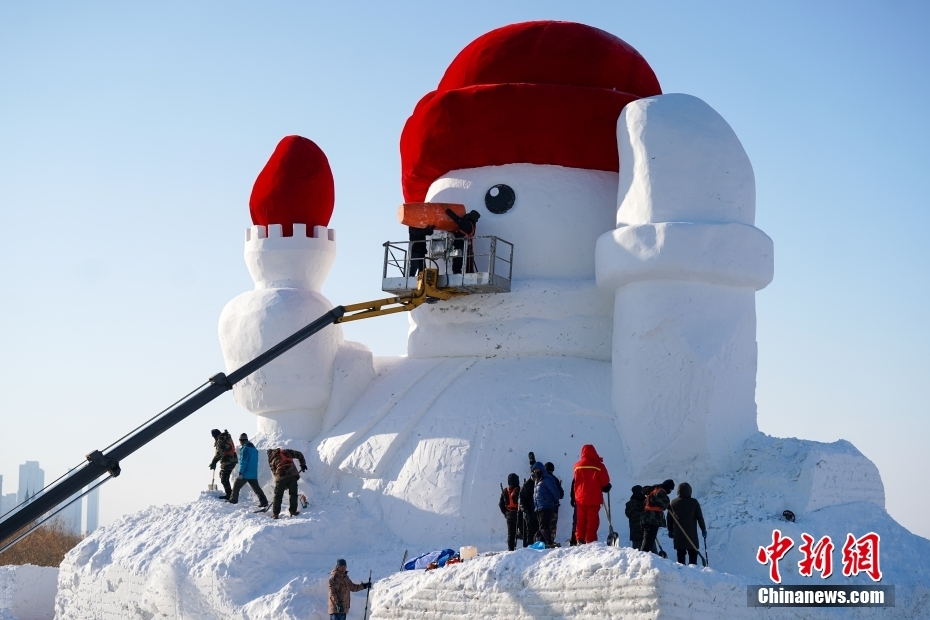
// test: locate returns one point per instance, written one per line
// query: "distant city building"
(31, 480)
(93, 511)
(7, 503)
(70, 516)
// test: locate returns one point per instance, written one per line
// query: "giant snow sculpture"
(631, 320)
(630, 324)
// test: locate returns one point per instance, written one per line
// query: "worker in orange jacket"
(591, 481)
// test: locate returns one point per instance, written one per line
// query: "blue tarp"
(422, 561)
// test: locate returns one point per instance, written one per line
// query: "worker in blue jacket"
(546, 500)
(248, 472)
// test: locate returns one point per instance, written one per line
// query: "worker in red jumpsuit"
(591, 481)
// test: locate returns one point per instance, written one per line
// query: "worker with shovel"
(684, 518)
(340, 589)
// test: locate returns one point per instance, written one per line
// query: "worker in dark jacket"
(688, 512)
(591, 482)
(528, 508)
(546, 501)
(634, 514)
(418, 249)
(248, 472)
(654, 512)
(286, 475)
(224, 453)
(340, 589)
(555, 515)
(510, 508)
(467, 226)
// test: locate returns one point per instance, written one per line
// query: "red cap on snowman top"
(540, 92)
(295, 187)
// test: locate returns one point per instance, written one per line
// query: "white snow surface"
(208, 559)
(27, 592)
(593, 582)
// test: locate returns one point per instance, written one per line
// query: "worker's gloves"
(212, 466)
(367, 585)
(607, 487)
(704, 533)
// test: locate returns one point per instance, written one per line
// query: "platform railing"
(481, 264)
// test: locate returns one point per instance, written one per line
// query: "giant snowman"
(631, 319)
(630, 324)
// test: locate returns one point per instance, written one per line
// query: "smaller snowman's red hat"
(295, 187)
(538, 92)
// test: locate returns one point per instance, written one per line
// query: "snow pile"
(210, 559)
(791, 474)
(27, 592)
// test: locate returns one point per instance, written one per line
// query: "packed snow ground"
(209, 559)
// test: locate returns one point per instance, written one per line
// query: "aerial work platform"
(481, 264)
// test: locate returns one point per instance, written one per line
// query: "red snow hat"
(295, 187)
(540, 92)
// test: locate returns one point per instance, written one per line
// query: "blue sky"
(131, 134)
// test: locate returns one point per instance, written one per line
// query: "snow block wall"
(593, 582)
(28, 592)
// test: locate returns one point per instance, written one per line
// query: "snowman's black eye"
(499, 199)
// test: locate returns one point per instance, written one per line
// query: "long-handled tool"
(367, 596)
(613, 538)
(662, 553)
(688, 538)
(705, 550)
(212, 486)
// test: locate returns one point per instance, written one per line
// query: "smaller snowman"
(289, 252)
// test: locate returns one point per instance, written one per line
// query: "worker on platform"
(225, 455)
(418, 249)
(340, 589)
(286, 475)
(248, 472)
(467, 226)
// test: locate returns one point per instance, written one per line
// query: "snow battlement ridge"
(276, 231)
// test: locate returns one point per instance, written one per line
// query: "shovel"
(212, 486)
(613, 538)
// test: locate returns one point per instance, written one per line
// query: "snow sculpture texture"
(631, 325)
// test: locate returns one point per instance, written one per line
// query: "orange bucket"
(423, 214)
